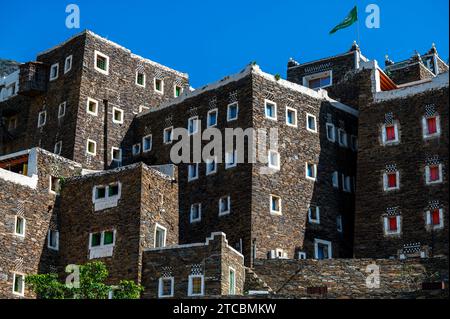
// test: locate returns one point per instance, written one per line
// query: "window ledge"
(101, 252)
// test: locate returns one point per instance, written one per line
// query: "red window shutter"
(431, 124)
(390, 133)
(435, 220)
(392, 180)
(392, 223)
(434, 173)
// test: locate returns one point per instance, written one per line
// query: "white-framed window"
(389, 134)
(68, 64)
(275, 205)
(392, 225)
(117, 115)
(143, 108)
(62, 109)
(196, 285)
(177, 90)
(54, 71)
(211, 119)
(232, 111)
(270, 110)
(101, 62)
(435, 218)
(158, 85)
(291, 116)
(92, 106)
(346, 183)
(354, 143)
(58, 148)
(311, 171)
(211, 166)
(12, 122)
(140, 79)
(314, 214)
(165, 287)
(311, 123)
(335, 179)
(136, 149)
(54, 184)
(342, 138)
(168, 135)
(339, 227)
(433, 174)
(331, 132)
(231, 281)
(42, 118)
(116, 155)
(147, 142)
(101, 244)
(301, 255)
(431, 126)
(18, 284)
(391, 181)
(19, 226)
(196, 213)
(160, 236)
(230, 159)
(53, 239)
(318, 80)
(274, 159)
(193, 125)
(91, 147)
(322, 249)
(224, 205)
(106, 196)
(192, 172)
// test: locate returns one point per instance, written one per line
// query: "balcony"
(33, 78)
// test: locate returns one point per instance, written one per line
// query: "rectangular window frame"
(162, 85)
(312, 220)
(193, 123)
(229, 118)
(161, 286)
(54, 66)
(62, 109)
(272, 118)
(425, 133)
(384, 135)
(16, 219)
(277, 166)
(57, 149)
(144, 149)
(228, 164)
(291, 109)
(42, 118)
(329, 244)
(208, 162)
(333, 137)
(68, 68)
(199, 218)
(228, 199)
(164, 229)
(87, 147)
(89, 100)
(429, 223)
(190, 285)
(428, 175)
(165, 141)
(116, 110)
(22, 292)
(278, 212)
(49, 243)
(308, 115)
(342, 138)
(387, 231)
(231, 283)
(216, 111)
(386, 181)
(315, 171)
(102, 55)
(143, 79)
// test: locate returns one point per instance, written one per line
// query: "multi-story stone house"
(358, 170)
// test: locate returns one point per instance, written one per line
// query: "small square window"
(113, 190)
(192, 172)
(212, 118)
(147, 142)
(96, 239)
(301, 255)
(140, 79)
(391, 180)
(274, 160)
(211, 166)
(196, 285)
(224, 205)
(18, 284)
(314, 215)
(12, 123)
(101, 62)
(311, 171)
(196, 213)
(390, 134)
(42, 118)
(136, 149)
(91, 147)
(62, 109)
(193, 125)
(58, 148)
(177, 90)
(230, 159)
(100, 192)
(392, 225)
(323, 249)
(311, 124)
(53, 239)
(19, 226)
(54, 71)
(92, 106)
(275, 205)
(270, 109)
(232, 112)
(433, 174)
(168, 135)
(117, 115)
(116, 154)
(55, 184)
(331, 132)
(165, 287)
(434, 218)
(160, 236)
(342, 137)
(68, 64)
(431, 126)
(291, 117)
(108, 238)
(159, 85)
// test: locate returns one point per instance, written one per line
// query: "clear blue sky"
(211, 39)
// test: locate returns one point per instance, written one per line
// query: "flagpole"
(357, 28)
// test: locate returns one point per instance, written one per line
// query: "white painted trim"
(99, 54)
(62, 106)
(228, 164)
(21, 293)
(332, 138)
(119, 111)
(171, 135)
(314, 220)
(162, 85)
(24, 226)
(229, 119)
(278, 156)
(195, 125)
(49, 246)
(231, 292)
(209, 161)
(308, 115)
(69, 58)
(143, 143)
(315, 171)
(339, 225)
(275, 212)
(428, 176)
(136, 80)
(196, 176)
(425, 128)
(441, 220)
(96, 106)
(159, 226)
(102, 239)
(175, 90)
(208, 116)
(290, 109)
(342, 138)
(273, 118)
(87, 147)
(136, 149)
(227, 212)
(318, 75)
(384, 135)
(386, 182)
(192, 220)
(335, 179)
(112, 154)
(323, 242)
(143, 108)
(160, 287)
(42, 123)
(28, 181)
(52, 78)
(388, 232)
(190, 285)
(57, 145)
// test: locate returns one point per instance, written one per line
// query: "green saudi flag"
(351, 18)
